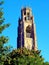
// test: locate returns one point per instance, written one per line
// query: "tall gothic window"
(25, 18)
(28, 31)
(28, 16)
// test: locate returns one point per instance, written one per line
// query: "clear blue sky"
(40, 10)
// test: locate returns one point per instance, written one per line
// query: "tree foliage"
(3, 50)
(25, 57)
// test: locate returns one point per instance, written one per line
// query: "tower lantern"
(26, 30)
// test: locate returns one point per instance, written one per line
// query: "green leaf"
(3, 39)
(1, 14)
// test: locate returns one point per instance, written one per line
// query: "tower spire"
(26, 30)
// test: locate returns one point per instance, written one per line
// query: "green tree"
(3, 39)
(26, 57)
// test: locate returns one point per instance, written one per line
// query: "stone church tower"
(26, 30)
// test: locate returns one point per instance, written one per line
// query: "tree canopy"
(23, 56)
(3, 40)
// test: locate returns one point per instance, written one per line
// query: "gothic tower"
(26, 30)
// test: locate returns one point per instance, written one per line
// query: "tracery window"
(28, 31)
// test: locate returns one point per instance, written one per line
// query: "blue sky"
(40, 11)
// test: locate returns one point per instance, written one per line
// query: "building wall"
(28, 42)
(24, 22)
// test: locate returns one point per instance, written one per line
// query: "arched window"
(28, 31)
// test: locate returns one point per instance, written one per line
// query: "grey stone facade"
(26, 30)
